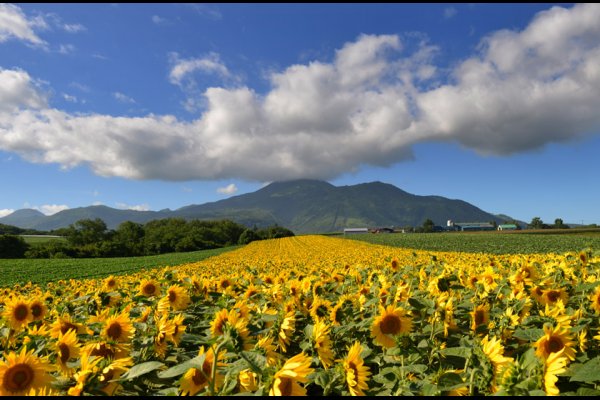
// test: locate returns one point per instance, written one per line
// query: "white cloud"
(450, 12)
(74, 28)
(158, 20)
(123, 98)
(210, 64)
(50, 209)
(15, 25)
(97, 203)
(18, 90)
(229, 189)
(6, 211)
(368, 106)
(66, 48)
(139, 207)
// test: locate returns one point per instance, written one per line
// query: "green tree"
(536, 223)
(12, 246)
(249, 235)
(428, 225)
(130, 237)
(86, 232)
(558, 224)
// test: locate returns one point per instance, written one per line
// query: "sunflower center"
(111, 283)
(225, 284)
(66, 327)
(18, 377)
(199, 377)
(390, 324)
(102, 351)
(479, 317)
(554, 345)
(172, 296)
(36, 310)
(21, 311)
(149, 289)
(65, 353)
(553, 295)
(114, 331)
(285, 386)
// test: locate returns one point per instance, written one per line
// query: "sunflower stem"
(213, 372)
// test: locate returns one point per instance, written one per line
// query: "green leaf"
(450, 381)
(588, 373)
(531, 334)
(141, 369)
(257, 362)
(584, 391)
(196, 362)
(463, 352)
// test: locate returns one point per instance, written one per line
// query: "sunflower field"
(312, 315)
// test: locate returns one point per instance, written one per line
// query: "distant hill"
(304, 206)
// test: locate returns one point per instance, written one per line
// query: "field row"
(487, 242)
(40, 271)
(313, 315)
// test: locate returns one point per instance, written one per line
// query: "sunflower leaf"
(196, 362)
(141, 369)
(531, 334)
(463, 352)
(588, 373)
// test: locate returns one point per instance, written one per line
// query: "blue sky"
(164, 105)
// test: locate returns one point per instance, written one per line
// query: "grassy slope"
(46, 270)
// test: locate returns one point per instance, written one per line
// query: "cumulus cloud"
(14, 24)
(6, 211)
(229, 189)
(138, 207)
(50, 209)
(368, 105)
(182, 69)
(18, 91)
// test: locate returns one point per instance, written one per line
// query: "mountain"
(304, 206)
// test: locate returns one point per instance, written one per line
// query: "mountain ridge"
(304, 206)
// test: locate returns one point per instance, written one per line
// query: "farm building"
(473, 226)
(507, 227)
(350, 231)
(382, 230)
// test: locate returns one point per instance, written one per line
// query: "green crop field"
(40, 271)
(487, 242)
(39, 239)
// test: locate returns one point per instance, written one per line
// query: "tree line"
(91, 238)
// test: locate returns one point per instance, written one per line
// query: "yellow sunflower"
(88, 366)
(357, 374)
(178, 298)
(149, 288)
(111, 373)
(217, 325)
(20, 373)
(17, 313)
(595, 298)
(320, 308)
(286, 330)
(179, 329)
(391, 322)
(118, 328)
(551, 296)
(555, 364)
(248, 380)
(494, 350)
(64, 323)
(480, 316)
(555, 340)
(287, 380)
(268, 349)
(67, 348)
(38, 309)
(110, 284)
(194, 380)
(322, 343)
